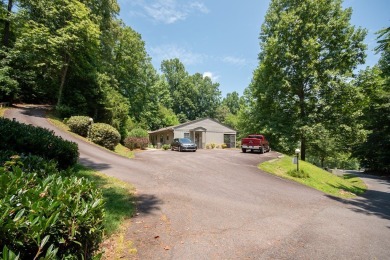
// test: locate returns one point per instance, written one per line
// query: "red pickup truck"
(255, 142)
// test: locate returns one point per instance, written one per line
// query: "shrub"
(138, 132)
(223, 146)
(48, 216)
(212, 145)
(166, 147)
(136, 142)
(208, 146)
(79, 125)
(104, 135)
(27, 139)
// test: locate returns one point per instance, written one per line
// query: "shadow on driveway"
(96, 166)
(375, 201)
(147, 203)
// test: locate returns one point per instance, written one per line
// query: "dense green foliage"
(104, 135)
(138, 132)
(193, 96)
(46, 213)
(22, 138)
(374, 153)
(79, 125)
(301, 94)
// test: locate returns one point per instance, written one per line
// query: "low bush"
(104, 135)
(136, 142)
(166, 147)
(298, 174)
(79, 125)
(48, 216)
(27, 139)
(223, 146)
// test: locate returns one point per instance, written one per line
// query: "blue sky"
(219, 38)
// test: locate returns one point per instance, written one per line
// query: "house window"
(187, 135)
(167, 137)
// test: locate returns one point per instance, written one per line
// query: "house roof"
(172, 128)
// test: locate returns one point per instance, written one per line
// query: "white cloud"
(170, 51)
(211, 75)
(169, 11)
(199, 6)
(234, 60)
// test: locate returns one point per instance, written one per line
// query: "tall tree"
(56, 36)
(308, 49)
(232, 101)
(374, 153)
(193, 96)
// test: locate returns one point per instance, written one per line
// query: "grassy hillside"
(347, 186)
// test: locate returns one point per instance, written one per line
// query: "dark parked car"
(183, 144)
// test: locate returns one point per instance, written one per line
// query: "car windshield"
(185, 141)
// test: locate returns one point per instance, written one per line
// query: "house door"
(198, 139)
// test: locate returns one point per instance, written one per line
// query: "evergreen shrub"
(104, 135)
(27, 139)
(79, 125)
(55, 215)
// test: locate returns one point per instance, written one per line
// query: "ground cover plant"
(343, 187)
(47, 212)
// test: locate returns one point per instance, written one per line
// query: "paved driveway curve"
(216, 204)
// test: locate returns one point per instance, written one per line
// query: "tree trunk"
(301, 95)
(7, 25)
(63, 78)
(303, 149)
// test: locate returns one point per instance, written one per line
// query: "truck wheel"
(179, 148)
(243, 150)
(262, 150)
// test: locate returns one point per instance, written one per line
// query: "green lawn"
(347, 186)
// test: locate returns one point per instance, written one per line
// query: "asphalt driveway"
(216, 204)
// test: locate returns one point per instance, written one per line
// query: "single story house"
(201, 131)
